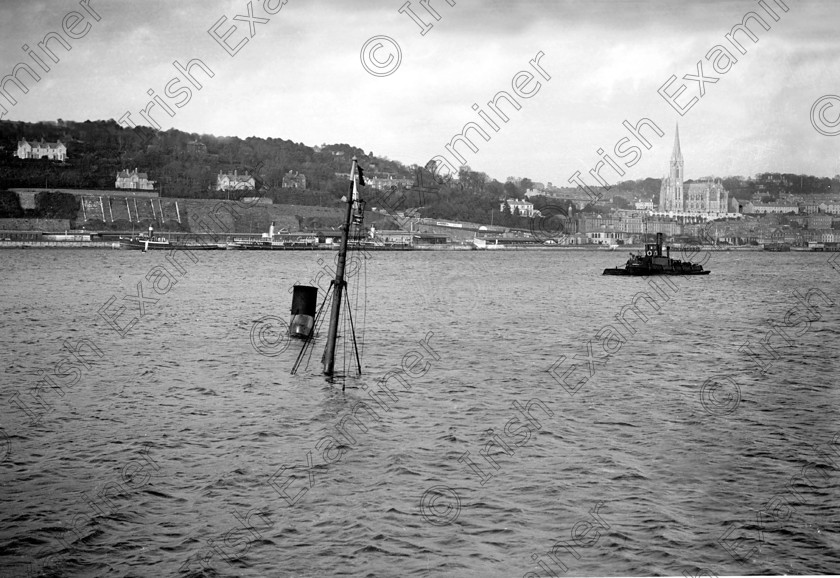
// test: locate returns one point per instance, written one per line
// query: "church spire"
(676, 156)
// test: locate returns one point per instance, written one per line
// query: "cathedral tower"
(671, 194)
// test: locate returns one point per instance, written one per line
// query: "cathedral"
(707, 196)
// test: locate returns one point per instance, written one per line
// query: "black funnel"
(304, 304)
(304, 300)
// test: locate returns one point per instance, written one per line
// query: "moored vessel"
(148, 242)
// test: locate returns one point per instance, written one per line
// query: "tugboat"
(653, 262)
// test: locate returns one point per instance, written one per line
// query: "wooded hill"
(97, 150)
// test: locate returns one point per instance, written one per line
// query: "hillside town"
(413, 205)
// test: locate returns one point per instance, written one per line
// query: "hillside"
(97, 150)
(185, 166)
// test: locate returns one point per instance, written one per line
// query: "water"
(168, 447)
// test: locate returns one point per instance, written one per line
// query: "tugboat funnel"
(304, 304)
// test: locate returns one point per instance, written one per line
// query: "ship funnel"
(304, 303)
(271, 231)
(659, 244)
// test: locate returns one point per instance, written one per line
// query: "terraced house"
(235, 182)
(134, 180)
(55, 151)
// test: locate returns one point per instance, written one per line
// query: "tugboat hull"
(638, 272)
(654, 262)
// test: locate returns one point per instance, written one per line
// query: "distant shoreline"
(114, 245)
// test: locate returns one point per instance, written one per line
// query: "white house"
(526, 209)
(55, 151)
(235, 182)
(134, 180)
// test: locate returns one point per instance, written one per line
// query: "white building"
(770, 208)
(55, 151)
(526, 209)
(235, 182)
(134, 180)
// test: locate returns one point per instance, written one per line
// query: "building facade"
(55, 151)
(385, 181)
(705, 197)
(819, 221)
(294, 180)
(235, 182)
(770, 208)
(196, 148)
(134, 180)
(526, 209)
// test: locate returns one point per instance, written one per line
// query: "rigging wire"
(311, 337)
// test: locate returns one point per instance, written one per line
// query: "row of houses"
(381, 181)
(787, 207)
(245, 182)
(224, 181)
(55, 151)
(140, 181)
(627, 225)
(134, 180)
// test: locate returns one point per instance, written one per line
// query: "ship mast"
(339, 284)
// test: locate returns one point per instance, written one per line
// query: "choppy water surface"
(164, 453)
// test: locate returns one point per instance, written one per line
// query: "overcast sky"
(301, 78)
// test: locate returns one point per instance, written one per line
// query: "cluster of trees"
(48, 205)
(771, 186)
(472, 196)
(475, 197)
